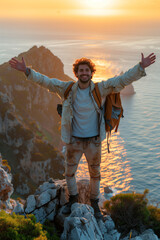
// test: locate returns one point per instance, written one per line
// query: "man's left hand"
(146, 62)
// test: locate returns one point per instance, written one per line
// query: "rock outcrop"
(81, 224)
(128, 90)
(29, 124)
(32, 158)
(48, 203)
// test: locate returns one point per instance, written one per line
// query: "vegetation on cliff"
(130, 211)
(18, 227)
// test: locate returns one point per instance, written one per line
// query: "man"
(82, 127)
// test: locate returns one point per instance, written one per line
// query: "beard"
(86, 80)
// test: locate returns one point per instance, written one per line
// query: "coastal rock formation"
(33, 158)
(35, 105)
(29, 123)
(128, 90)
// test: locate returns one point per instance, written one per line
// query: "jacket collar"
(75, 86)
(92, 85)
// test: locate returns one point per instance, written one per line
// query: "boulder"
(81, 224)
(107, 190)
(19, 208)
(43, 204)
(109, 223)
(30, 204)
(148, 235)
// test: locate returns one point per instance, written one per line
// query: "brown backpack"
(112, 108)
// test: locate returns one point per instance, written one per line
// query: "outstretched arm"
(116, 84)
(52, 84)
(146, 62)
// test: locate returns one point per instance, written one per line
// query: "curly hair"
(83, 61)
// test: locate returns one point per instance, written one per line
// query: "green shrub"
(130, 211)
(51, 231)
(18, 227)
(154, 219)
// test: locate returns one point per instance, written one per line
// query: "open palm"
(20, 66)
(146, 62)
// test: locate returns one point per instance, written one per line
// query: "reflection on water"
(104, 69)
(115, 169)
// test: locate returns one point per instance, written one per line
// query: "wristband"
(27, 72)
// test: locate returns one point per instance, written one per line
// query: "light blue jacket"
(115, 84)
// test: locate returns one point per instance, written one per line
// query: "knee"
(96, 178)
(67, 175)
(70, 170)
(95, 171)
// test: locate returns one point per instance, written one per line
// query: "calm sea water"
(134, 161)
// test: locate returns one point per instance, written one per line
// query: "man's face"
(84, 73)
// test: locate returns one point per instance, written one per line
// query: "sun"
(98, 7)
(98, 4)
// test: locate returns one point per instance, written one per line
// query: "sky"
(83, 16)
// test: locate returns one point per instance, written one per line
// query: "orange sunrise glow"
(106, 16)
(52, 8)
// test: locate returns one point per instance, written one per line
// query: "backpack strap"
(108, 135)
(97, 95)
(68, 90)
(121, 115)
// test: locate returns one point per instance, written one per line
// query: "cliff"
(29, 123)
(128, 90)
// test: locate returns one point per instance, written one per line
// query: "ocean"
(134, 161)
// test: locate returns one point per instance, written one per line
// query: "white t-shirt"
(85, 116)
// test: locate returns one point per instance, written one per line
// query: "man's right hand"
(20, 66)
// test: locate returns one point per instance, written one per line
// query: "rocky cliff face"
(29, 123)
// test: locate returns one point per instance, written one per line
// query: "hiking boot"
(97, 211)
(72, 199)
